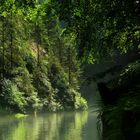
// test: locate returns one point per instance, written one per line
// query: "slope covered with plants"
(39, 68)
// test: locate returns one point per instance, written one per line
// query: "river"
(50, 126)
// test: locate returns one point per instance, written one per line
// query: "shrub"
(80, 103)
(12, 96)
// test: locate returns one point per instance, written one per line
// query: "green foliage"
(12, 97)
(129, 73)
(102, 27)
(23, 78)
(60, 85)
(80, 103)
(38, 61)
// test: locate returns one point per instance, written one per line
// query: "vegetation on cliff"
(39, 68)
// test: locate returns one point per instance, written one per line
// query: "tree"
(39, 62)
(102, 27)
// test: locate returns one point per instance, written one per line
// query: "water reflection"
(50, 126)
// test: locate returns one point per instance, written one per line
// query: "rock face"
(108, 97)
(121, 106)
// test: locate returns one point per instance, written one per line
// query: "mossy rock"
(19, 115)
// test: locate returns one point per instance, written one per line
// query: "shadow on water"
(50, 126)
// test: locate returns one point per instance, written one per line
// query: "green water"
(50, 126)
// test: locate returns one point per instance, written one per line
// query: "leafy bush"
(80, 103)
(23, 77)
(55, 106)
(34, 102)
(12, 96)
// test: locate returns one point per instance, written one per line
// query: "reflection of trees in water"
(49, 127)
(62, 126)
(5, 126)
(19, 129)
(72, 125)
(53, 126)
(18, 132)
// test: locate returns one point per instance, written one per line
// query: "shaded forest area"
(44, 44)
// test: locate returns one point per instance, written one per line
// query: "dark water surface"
(50, 126)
